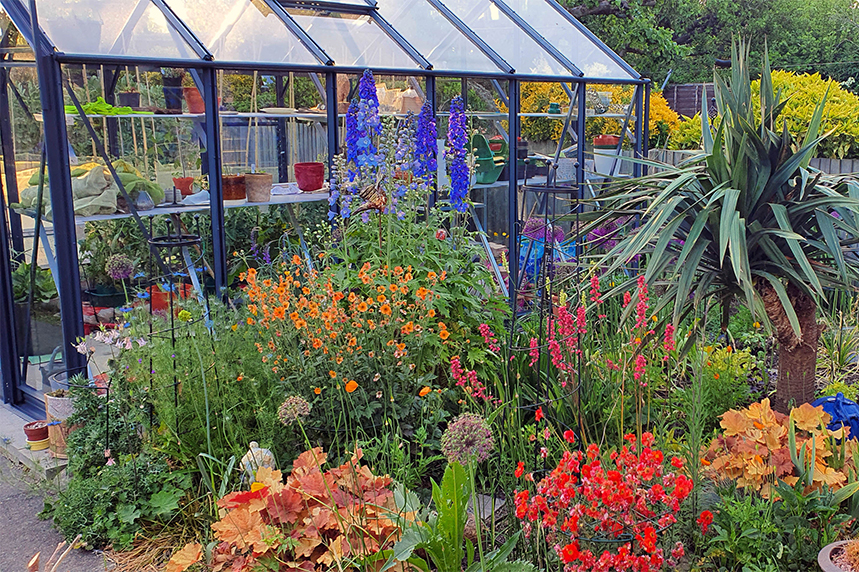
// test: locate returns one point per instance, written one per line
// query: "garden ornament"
(256, 458)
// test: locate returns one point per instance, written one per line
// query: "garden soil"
(24, 534)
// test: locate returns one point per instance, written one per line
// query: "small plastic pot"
(310, 176)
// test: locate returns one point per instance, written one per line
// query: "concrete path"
(23, 534)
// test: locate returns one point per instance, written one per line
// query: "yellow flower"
(756, 325)
(257, 487)
(184, 316)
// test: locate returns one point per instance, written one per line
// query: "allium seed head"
(467, 438)
(293, 409)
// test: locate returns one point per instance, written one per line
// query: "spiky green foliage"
(745, 213)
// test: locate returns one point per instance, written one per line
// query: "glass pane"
(242, 31)
(568, 39)
(446, 48)
(506, 37)
(116, 27)
(353, 39)
(18, 49)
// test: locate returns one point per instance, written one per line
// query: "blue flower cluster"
(426, 144)
(368, 124)
(457, 142)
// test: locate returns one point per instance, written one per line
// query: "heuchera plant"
(623, 504)
(315, 521)
(755, 449)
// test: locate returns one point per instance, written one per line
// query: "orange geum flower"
(398, 270)
(401, 347)
(339, 360)
(408, 328)
(333, 374)
(393, 287)
(296, 260)
(352, 297)
(250, 321)
(317, 390)
(431, 313)
(362, 307)
(351, 386)
(425, 391)
(381, 298)
(317, 343)
(385, 309)
(444, 334)
(442, 326)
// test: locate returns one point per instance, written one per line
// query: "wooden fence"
(831, 166)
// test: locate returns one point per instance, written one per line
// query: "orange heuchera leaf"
(240, 527)
(241, 498)
(284, 507)
(808, 418)
(271, 478)
(309, 462)
(734, 422)
(183, 559)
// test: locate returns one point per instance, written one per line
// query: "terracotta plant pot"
(606, 141)
(36, 430)
(160, 300)
(309, 176)
(184, 184)
(194, 100)
(258, 187)
(234, 187)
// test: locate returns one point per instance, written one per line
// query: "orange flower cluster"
(308, 326)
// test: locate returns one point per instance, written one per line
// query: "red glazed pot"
(309, 176)
(36, 430)
(184, 184)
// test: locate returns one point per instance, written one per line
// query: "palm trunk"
(797, 356)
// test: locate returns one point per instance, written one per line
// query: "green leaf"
(845, 492)
(165, 502)
(127, 513)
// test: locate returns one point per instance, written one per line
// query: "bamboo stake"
(253, 98)
(143, 126)
(86, 92)
(133, 128)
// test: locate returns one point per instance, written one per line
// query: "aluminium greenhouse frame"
(568, 35)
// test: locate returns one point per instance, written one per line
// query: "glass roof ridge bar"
(392, 33)
(328, 6)
(474, 38)
(183, 30)
(537, 37)
(300, 33)
(593, 38)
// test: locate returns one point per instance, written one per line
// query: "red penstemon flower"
(586, 497)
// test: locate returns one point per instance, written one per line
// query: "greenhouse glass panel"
(506, 37)
(425, 28)
(114, 27)
(352, 39)
(242, 31)
(568, 39)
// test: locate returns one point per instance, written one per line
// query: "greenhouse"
(423, 50)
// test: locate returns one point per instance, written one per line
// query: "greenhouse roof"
(521, 38)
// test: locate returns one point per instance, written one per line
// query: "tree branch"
(606, 8)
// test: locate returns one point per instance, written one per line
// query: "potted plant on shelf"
(233, 187)
(192, 96)
(258, 186)
(129, 97)
(172, 88)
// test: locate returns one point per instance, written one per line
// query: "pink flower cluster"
(596, 295)
(489, 338)
(467, 379)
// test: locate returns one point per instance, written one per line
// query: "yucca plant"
(745, 219)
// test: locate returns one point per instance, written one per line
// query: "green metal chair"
(488, 165)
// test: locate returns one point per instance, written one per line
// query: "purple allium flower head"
(293, 409)
(604, 236)
(467, 438)
(535, 229)
(457, 142)
(119, 267)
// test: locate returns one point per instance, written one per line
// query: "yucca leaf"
(726, 218)
(785, 301)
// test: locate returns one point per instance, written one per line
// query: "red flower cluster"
(467, 379)
(705, 519)
(596, 295)
(634, 494)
